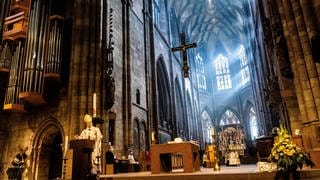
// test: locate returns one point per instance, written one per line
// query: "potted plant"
(287, 155)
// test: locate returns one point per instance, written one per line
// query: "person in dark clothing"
(110, 158)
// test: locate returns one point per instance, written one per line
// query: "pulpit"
(81, 162)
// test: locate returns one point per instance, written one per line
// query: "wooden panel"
(315, 157)
(82, 150)
(14, 108)
(189, 151)
(33, 98)
(4, 70)
(52, 76)
(15, 26)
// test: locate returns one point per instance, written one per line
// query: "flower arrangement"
(286, 154)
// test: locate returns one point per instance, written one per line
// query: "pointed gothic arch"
(46, 156)
(206, 125)
(139, 141)
(231, 132)
(192, 121)
(143, 136)
(136, 136)
(181, 120)
(231, 110)
(165, 123)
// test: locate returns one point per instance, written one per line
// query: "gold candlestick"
(216, 166)
(64, 168)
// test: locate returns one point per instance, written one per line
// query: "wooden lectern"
(81, 162)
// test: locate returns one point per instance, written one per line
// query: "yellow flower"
(276, 156)
(281, 148)
(289, 153)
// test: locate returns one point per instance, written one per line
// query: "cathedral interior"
(149, 71)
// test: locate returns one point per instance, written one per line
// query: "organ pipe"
(12, 93)
(54, 45)
(35, 49)
(5, 58)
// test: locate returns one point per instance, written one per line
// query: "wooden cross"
(183, 47)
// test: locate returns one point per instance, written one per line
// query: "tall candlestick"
(65, 146)
(94, 105)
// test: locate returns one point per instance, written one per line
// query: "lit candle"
(94, 105)
(65, 146)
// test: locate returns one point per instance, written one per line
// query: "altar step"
(244, 172)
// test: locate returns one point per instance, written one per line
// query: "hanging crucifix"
(183, 47)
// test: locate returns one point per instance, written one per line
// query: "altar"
(189, 151)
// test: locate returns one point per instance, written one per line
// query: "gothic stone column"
(297, 85)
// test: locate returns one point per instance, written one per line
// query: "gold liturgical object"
(212, 152)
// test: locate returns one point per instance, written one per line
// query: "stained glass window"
(156, 13)
(223, 76)
(200, 73)
(202, 81)
(253, 123)
(229, 118)
(245, 76)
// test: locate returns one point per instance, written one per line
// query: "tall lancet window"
(202, 84)
(253, 123)
(229, 118)
(223, 76)
(245, 76)
(156, 13)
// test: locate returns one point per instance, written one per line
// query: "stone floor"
(243, 172)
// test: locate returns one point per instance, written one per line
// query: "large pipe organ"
(30, 51)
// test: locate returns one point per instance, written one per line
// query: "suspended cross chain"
(183, 47)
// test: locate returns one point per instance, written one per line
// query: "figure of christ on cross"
(183, 47)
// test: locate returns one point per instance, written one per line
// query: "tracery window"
(156, 13)
(206, 126)
(199, 64)
(245, 76)
(253, 123)
(223, 76)
(229, 118)
(200, 73)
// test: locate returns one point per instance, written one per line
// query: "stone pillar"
(126, 90)
(311, 25)
(316, 8)
(306, 72)
(84, 61)
(302, 67)
(150, 69)
(297, 85)
(307, 55)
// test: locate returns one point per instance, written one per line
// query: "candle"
(65, 146)
(94, 105)
(212, 131)
(152, 136)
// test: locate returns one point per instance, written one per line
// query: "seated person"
(111, 158)
(133, 161)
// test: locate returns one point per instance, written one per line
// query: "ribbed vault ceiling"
(216, 25)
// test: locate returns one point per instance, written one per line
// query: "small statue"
(19, 159)
(18, 164)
